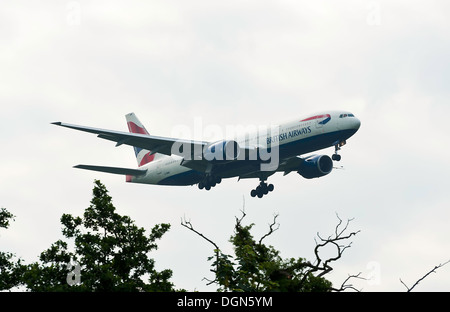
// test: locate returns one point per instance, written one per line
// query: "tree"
(110, 253)
(5, 218)
(257, 267)
(10, 269)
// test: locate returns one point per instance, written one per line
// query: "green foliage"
(257, 267)
(5, 217)
(10, 268)
(110, 253)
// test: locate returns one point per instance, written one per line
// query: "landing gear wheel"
(337, 148)
(209, 181)
(336, 157)
(262, 189)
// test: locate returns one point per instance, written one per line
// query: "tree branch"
(349, 286)
(423, 277)
(188, 225)
(271, 228)
(324, 266)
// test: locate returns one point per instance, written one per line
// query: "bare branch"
(350, 286)
(338, 225)
(423, 277)
(239, 220)
(209, 282)
(271, 228)
(408, 289)
(324, 266)
(188, 225)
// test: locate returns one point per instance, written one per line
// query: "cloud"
(233, 63)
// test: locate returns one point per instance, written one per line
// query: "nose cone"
(356, 123)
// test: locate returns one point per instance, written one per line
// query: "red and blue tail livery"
(135, 126)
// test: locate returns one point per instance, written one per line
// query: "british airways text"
(287, 135)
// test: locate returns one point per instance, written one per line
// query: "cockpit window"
(346, 115)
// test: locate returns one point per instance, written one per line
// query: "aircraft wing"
(286, 166)
(290, 164)
(114, 170)
(155, 144)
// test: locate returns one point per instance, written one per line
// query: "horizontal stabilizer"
(114, 170)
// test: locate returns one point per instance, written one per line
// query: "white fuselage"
(289, 139)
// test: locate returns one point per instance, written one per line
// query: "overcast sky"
(234, 63)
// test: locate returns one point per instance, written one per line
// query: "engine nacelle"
(316, 166)
(225, 150)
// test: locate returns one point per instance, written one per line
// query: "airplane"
(256, 154)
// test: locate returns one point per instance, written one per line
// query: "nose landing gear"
(337, 148)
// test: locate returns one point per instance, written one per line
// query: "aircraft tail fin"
(135, 126)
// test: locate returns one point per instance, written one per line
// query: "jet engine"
(316, 166)
(225, 150)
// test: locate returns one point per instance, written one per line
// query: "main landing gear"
(337, 147)
(262, 189)
(208, 182)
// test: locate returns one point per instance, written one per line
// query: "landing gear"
(208, 182)
(337, 147)
(262, 189)
(336, 157)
